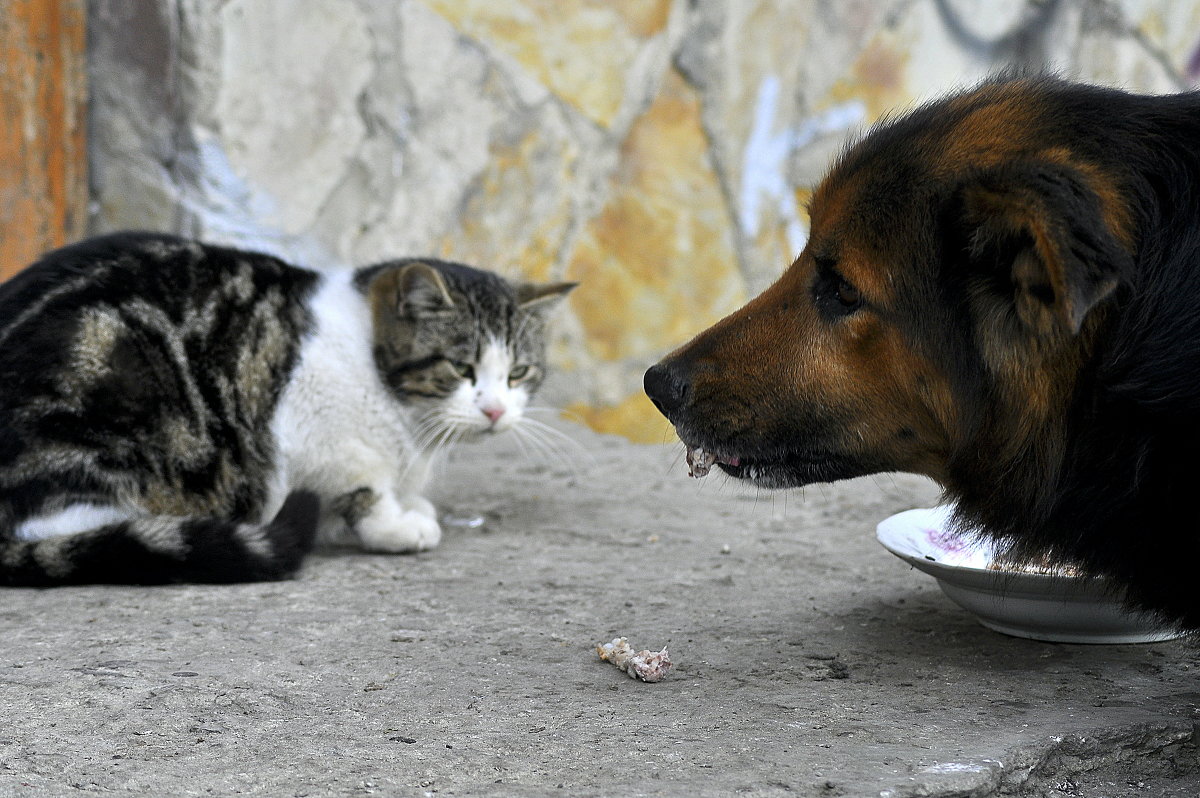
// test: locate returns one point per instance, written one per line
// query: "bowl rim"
(982, 589)
(1009, 582)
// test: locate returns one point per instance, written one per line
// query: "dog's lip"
(755, 466)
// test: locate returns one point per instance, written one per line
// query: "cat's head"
(464, 348)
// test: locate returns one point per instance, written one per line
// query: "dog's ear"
(1043, 228)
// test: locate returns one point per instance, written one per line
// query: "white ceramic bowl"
(1059, 608)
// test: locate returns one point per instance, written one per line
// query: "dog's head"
(959, 267)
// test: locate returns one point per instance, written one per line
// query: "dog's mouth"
(786, 469)
(701, 460)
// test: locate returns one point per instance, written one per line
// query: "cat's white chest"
(337, 428)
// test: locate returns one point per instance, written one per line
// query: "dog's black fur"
(1126, 501)
(1034, 249)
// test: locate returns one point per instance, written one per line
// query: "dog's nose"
(665, 388)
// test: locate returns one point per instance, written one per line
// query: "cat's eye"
(464, 370)
(519, 373)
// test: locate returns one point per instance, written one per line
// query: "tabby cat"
(176, 411)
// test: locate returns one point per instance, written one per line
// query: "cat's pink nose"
(493, 412)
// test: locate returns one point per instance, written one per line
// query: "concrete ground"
(809, 661)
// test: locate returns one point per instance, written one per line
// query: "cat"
(174, 411)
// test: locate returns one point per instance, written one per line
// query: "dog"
(1001, 291)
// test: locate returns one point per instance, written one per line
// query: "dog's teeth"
(699, 461)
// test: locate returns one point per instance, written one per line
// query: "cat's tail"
(158, 550)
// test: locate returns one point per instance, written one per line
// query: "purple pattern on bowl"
(949, 542)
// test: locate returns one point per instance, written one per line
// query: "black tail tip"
(299, 509)
(293, 531)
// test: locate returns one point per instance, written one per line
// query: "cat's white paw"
(394, 528)
(420, 504)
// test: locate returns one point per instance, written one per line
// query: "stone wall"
(658, 151)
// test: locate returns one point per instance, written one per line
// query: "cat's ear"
(542, 297)
(416, 290)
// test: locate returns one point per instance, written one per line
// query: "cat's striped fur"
(175, 411)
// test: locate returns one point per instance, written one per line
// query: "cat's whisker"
(435, 433)
(429, 418)
(562, 458)
(531, 448)
(442, 442)
(423, 430)
(535, 434)
(453, 435)
(519, 438)
(560, 443)
(556, 412)
(552, 429)
(552, 434)
(460, 432)
(429, 432)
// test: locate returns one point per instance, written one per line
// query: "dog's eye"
(836, 295)
(849, 296)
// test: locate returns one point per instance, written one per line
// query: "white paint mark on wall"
(764, 166)
(228, 209)
(225, 193)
